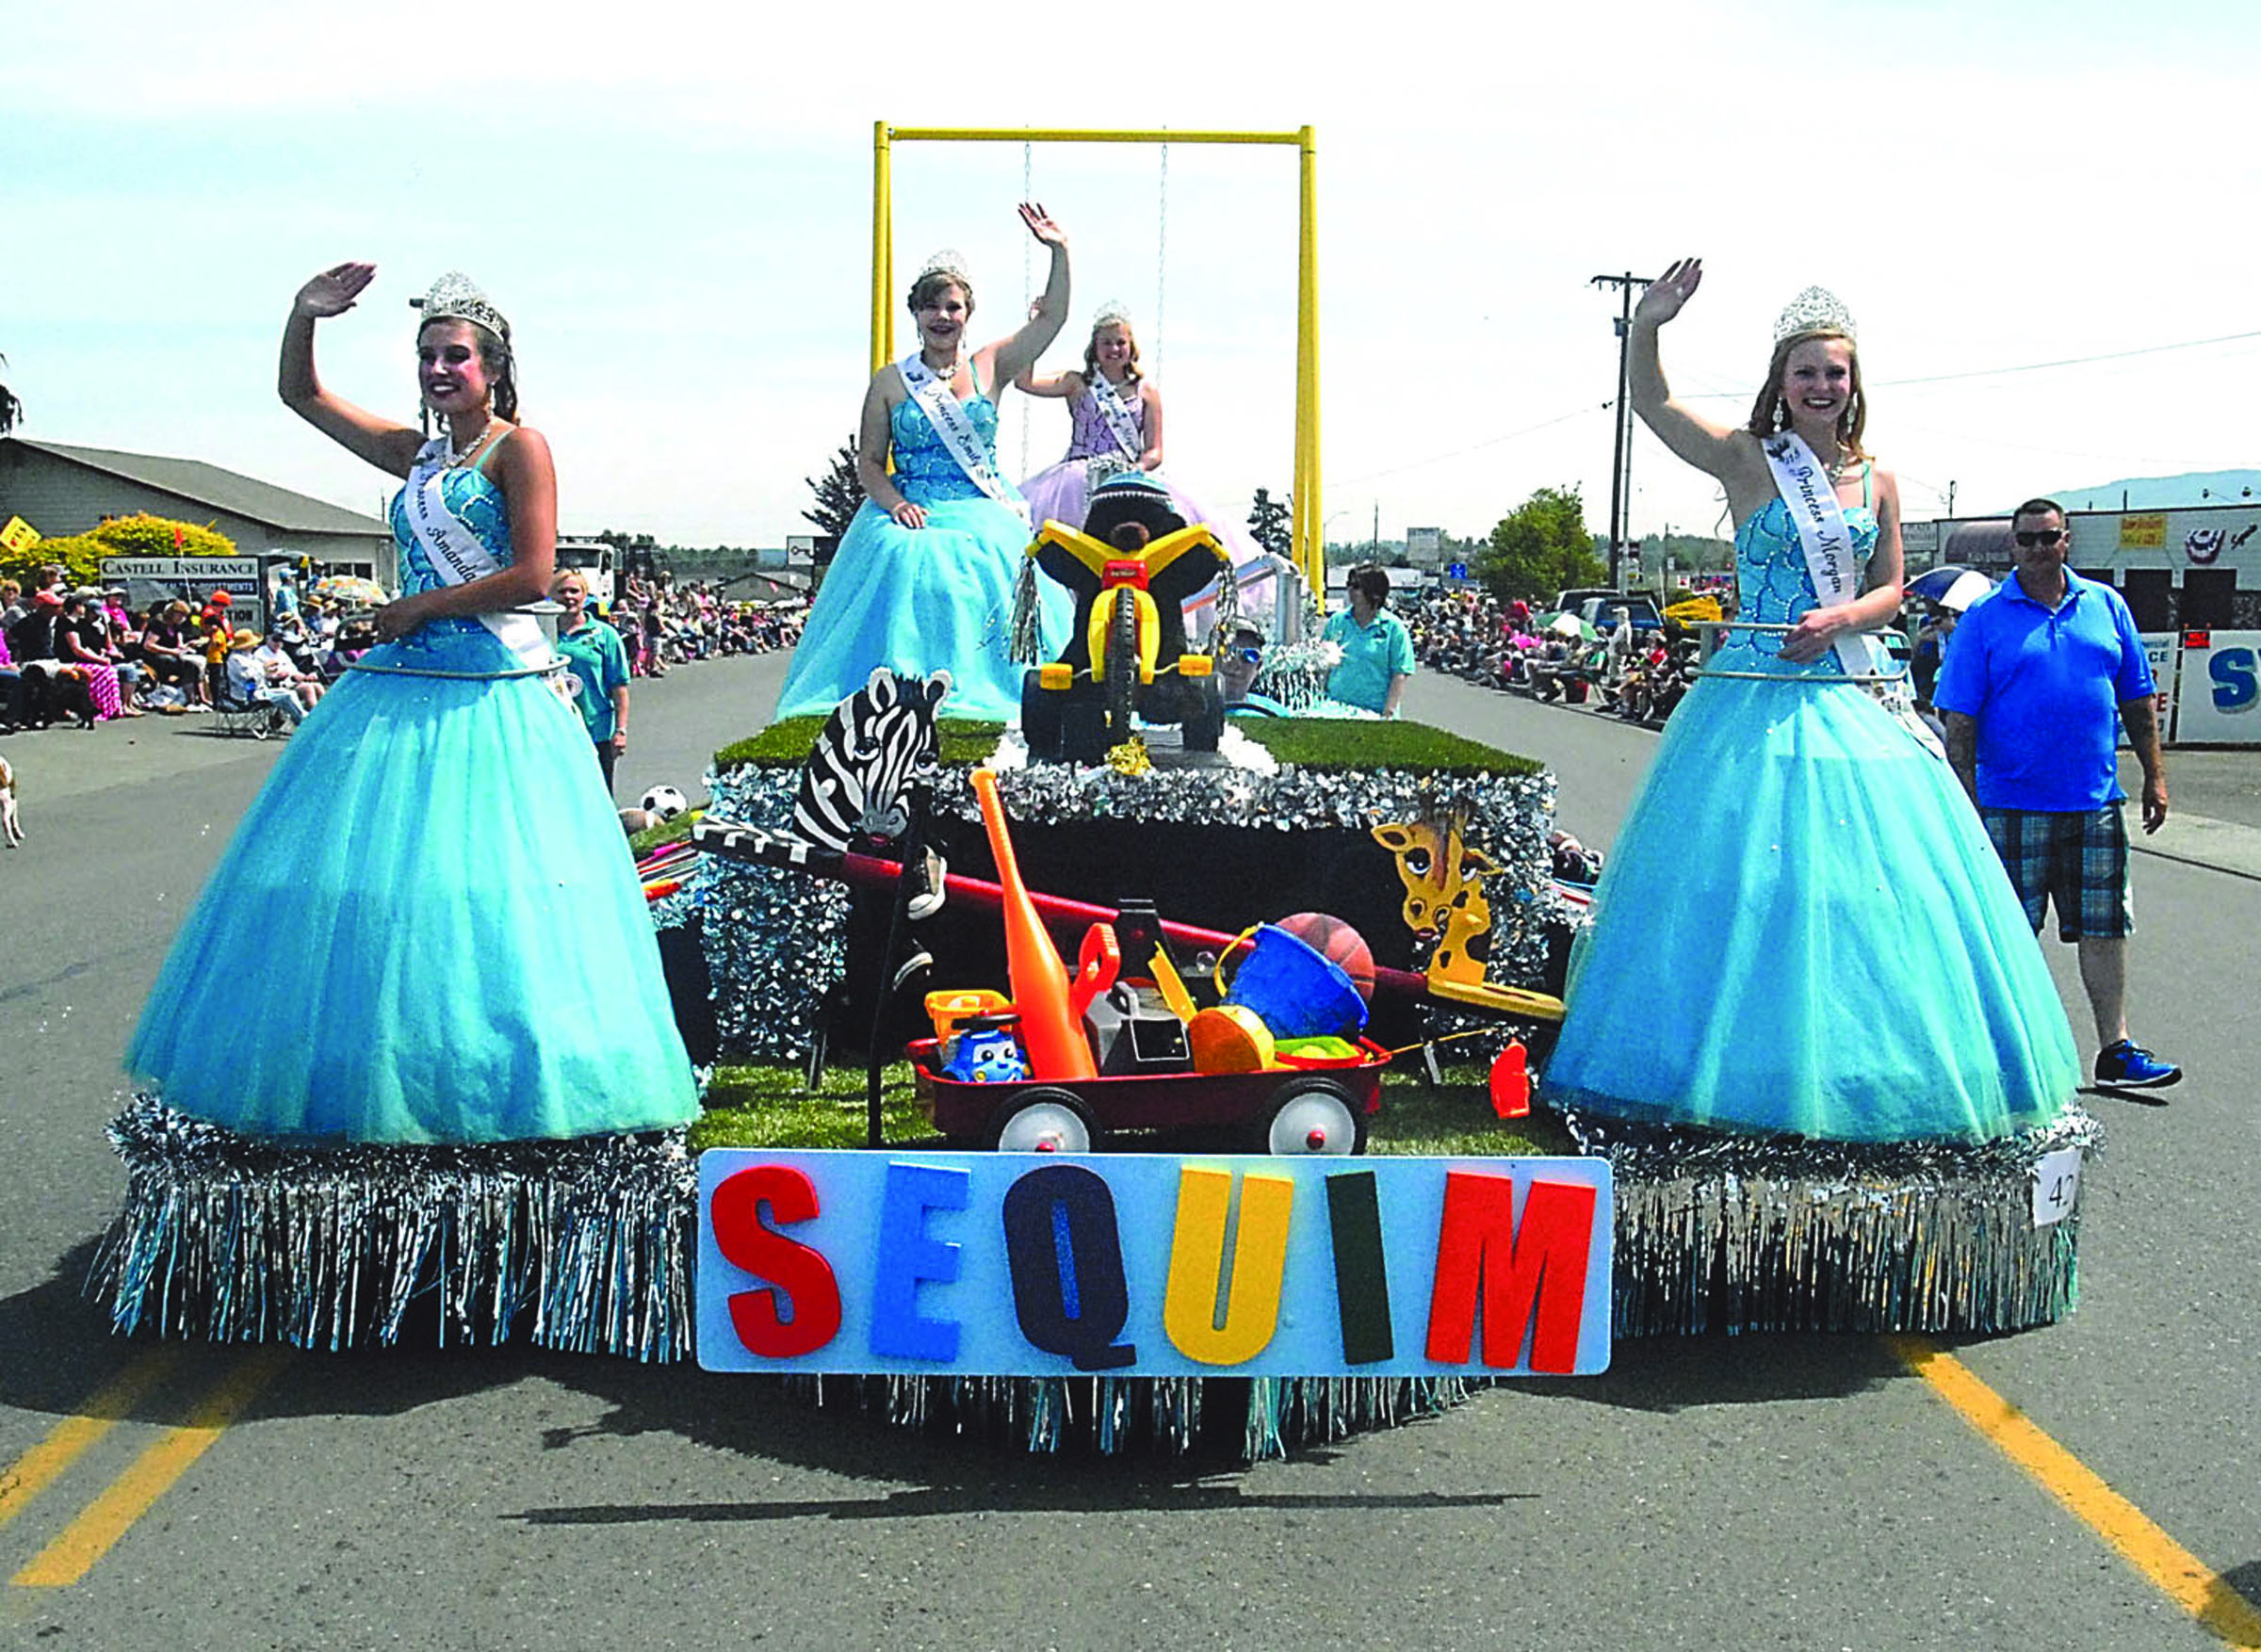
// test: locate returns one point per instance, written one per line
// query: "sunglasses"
(2027, 539)
(1253, 656)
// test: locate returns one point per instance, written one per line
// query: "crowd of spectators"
(665, 623)
(80, 655)
(1633, 673)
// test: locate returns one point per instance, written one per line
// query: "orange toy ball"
(1337, 942)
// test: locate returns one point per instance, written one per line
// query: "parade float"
(1194, 1100)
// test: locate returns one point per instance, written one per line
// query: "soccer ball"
(664, 801)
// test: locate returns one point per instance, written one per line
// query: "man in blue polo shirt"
(1377, 651)
(2033, 688)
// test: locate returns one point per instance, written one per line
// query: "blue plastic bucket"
(1297, 991)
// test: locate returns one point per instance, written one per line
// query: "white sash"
(947, 413)
(1806, 489)
(457, 554)
(1117, 416)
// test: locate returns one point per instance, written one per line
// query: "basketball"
(1337, 942)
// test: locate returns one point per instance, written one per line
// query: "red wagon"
(1297, 1109)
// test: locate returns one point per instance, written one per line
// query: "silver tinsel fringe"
(582, 1245)
(1757, 1233)
(775, 940)
(1295, 673)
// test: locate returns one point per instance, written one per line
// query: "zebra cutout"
(877, 744)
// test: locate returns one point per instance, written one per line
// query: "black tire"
(1023, 1121)
(1311, 1115)
(1122, 666)
(1040, 721)
(1205, 725)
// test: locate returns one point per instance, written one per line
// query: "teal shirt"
(1372, 654)
(600, 663)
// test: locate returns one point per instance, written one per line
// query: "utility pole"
(1621, 463)
(1950, 498)
(1375, 555)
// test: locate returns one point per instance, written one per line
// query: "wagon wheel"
(1043, 1119)
(1314, 1115)
(1122, 665)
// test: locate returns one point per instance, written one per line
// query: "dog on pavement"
(9, 827)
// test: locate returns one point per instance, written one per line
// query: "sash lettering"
(947, 413)
(1806, 489)
(457, 554)
(1117, 413)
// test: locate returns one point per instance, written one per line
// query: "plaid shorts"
(2078, 859)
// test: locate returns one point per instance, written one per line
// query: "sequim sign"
(1004, 1264)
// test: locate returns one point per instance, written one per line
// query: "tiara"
(1815, 310)
(1112, 312)
(944, 261)
(455, 297)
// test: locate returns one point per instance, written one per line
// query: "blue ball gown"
(1803, 929)
(919, 600)
(427, 927)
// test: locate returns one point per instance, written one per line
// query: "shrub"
(144, 535)
(80, 554)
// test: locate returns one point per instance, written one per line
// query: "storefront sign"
(2144, 531)
(1152, 1264)
(2218, 701)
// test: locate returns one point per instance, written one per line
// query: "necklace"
(458, 458)
(948, 372)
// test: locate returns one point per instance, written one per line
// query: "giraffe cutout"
(1444, 893)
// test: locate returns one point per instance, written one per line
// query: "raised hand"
(334, 291)
(1664, 297)
(1041, 225)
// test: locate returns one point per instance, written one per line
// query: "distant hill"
(2158, 492)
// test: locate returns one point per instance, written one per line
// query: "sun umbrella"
(1935, 584)
(1965, 591)
(1571, 625)
(351, 589)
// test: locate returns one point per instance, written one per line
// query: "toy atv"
(1132, 567)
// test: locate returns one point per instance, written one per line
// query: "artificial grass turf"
(1309, 742)
(1321, 742)
(786, 744)
(651, 837)
(770, 1107)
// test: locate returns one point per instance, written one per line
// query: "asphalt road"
(1776, 1491)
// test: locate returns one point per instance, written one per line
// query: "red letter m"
(1537, 1272)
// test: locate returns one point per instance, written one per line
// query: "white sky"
(673, 202)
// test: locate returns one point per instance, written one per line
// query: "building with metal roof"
(59, 490)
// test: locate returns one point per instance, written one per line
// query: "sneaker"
(2127, 1066)
(927, 877)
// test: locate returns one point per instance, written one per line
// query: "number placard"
(2056, 1186)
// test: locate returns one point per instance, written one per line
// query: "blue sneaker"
(2127, 1066)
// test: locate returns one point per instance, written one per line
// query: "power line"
(2154, 349)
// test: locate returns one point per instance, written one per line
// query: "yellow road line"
(87, 1539)
(2180, 1575)
(24, 1478)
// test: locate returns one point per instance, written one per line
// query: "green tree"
(11, 405)
(1541, 547)
(1268, 524)
(838, 492)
